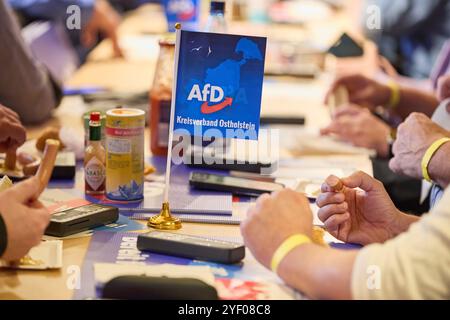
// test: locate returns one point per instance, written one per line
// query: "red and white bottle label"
(94, 173)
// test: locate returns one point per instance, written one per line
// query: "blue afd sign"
(219, 83)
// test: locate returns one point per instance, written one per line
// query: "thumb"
(362, 180)
(26, 191)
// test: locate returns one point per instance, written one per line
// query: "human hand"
(272, 220)
(359, 127)
(414, 137)
(104, 20)
(12, 133)
(362, 91)
(357, 216)
(24, 216)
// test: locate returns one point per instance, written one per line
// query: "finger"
(396, 146)
(346, 81)
(12, 119)
(343, 127)
(332, 209)
(349, 110)
(394, 165)
(36, 204)
(11, 113)
(324, 131)
(333, 127)
(327, 198)
(16, 133)
(88, 37)
(44, 214)
(41, 214)
(360, 179)
(116, 47)
(330, 183)
(262, 200)
(361, 97)
(334, 182)
(40, 218)
(334, 222)
(26, 191)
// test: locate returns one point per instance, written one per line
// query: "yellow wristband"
(394, 99)
(429, 154)
(287, 246)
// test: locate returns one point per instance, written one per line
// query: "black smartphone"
(238, 186)
(74, 220)
(294, 120)
(346, 46)
(219, 161)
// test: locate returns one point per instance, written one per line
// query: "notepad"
(196, 218)
(239, 210)
(182, 199)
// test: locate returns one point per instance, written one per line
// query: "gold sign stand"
(164, 220)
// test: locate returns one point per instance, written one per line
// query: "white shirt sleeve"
(414, 265)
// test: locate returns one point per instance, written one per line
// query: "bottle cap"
(217, 6)
(95, 116)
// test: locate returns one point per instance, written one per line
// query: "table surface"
(135, 74)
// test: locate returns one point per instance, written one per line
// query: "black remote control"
(191, 247)
(79, 219)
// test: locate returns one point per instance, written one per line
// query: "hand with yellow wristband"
(421, 150)
(273, 219)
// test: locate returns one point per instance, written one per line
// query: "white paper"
(46, 255)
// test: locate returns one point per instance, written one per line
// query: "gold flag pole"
(164, 220)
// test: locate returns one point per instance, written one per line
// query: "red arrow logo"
(205, 108)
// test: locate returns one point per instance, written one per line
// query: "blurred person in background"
(412, 33)
(25, 85)
(362, 127)
(97, 19)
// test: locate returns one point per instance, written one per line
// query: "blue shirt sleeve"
(53, 10)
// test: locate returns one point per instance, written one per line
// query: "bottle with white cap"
(216, 21)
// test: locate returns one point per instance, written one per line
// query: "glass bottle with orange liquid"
(160, 98)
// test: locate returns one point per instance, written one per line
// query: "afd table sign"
(219, 85)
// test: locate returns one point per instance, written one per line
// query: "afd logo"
(210, 94)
